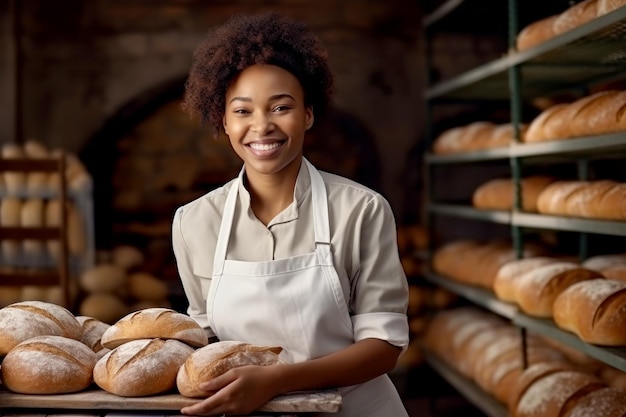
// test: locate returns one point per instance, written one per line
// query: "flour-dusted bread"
(48, 365)
(603, 402)
(213, 360)
(536, 32)
(575, 16)
(537, 289)
(141, 367)
(93, 329)
(26, 319)
(156, 322)
(548, 396)
(594, 310)
(505, 281)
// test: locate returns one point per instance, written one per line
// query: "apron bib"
(296, 303)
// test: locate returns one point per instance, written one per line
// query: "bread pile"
(486, 349)
(579, 297)
(43, 348)
(475, 136)
(573, 17)
(30, 199)
(118, 285)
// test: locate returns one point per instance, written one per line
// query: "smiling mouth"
(265, 146)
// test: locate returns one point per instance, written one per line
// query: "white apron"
(296, 303)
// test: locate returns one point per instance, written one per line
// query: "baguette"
(594, 310)
(152, 323)
(537, 289)
(48, 365)
(552, 198)
(141, 367)
(217, 358)
(549, 125)
(499, 193)
(26, 319)
(607, 6)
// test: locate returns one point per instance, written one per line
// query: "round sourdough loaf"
(141, 367)
(26, 319)
(537, 289)
(48, 365)
(594, 310)
(155, 322)
(213, 360)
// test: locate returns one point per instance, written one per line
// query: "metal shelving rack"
(569, 63)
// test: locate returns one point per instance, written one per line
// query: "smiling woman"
(308, 259)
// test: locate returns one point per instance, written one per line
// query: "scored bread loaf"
(602, 402)
(583, 202)
(548, 396)
(26, 319)
(504, 282)
(141, 367)
(607, 6)
(217, 358)
(48, 365)
(156, 322)
(595, 311)
(531, 374)
(552, 198)
(536, 290)
(548, 125)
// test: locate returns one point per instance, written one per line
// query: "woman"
(284, 254)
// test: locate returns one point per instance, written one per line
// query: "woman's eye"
(281, 108)
(241, 111)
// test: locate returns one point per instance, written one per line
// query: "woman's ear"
(224, 125)
(310, 118)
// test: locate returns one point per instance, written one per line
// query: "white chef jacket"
(363, 241)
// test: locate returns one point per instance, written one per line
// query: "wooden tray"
(298, 402)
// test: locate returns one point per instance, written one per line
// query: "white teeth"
(264, 147)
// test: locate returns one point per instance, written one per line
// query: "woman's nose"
(262, 122)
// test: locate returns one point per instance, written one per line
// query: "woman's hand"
(241, 390)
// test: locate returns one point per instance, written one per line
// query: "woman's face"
(266, 118)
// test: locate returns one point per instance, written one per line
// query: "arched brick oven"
(150, 158)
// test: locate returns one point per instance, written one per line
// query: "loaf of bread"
(147, 287)
(93, 329)
(149, 323)
(600, 199)
(575, 16)
(504, 284)
(602, 402)
(103, 278)
(479, 135)
(607, 6)
(537, 289)
(217, 358)
(26, 319)
(48, 365)
(499, 193)
(548, 396)
(105, 307)
(531, 374)
(535, 33)
(612, 266)
(32, 215)
(10, 212)
(141, 367)
(595, 311)
(601, 112)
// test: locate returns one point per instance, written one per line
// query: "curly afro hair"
(246, 40)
